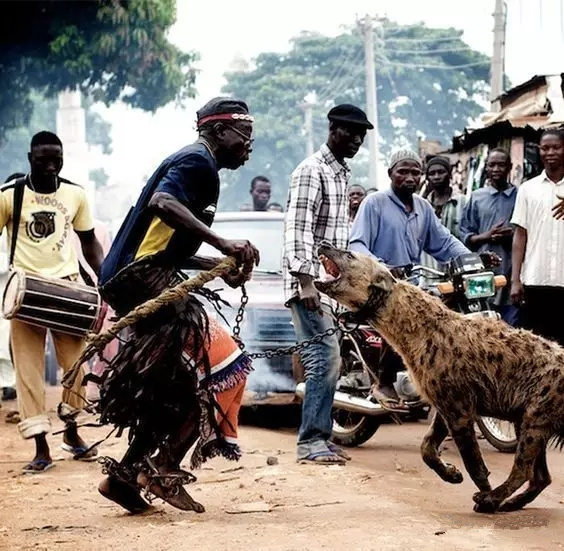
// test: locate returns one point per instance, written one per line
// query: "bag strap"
(85, 275)
(19, 190)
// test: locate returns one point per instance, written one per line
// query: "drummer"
(51, 207)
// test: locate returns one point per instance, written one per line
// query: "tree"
(430, 83)
(99, 176)
(43, 116)
(110, 49)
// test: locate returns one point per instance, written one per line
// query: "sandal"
(333, 448)
(13, 417)
(324, 457)
(80, 453)
(38, 466)
(388, 402)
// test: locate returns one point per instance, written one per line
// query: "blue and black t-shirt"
(191, 176)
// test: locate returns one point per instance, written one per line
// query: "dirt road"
(385, 498)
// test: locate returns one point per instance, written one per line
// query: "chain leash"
(239, 317)
(277, 352)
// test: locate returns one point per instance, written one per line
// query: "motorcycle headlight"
(479, 285)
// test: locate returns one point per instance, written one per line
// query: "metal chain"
(273, 352)
(239, 317)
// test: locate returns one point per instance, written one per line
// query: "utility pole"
(497, 68)
(71, 128)
(307, 108)
(371, 99)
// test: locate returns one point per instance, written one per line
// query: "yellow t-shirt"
(45, 243)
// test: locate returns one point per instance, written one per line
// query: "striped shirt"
(451, 212)
(544, 252)
(317, 210)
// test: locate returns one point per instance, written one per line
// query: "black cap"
(439, 160)
(222, 105)
(349, 114)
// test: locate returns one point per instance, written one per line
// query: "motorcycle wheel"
(352, 429)
(500, 434)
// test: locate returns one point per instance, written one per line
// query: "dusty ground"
(384, 499)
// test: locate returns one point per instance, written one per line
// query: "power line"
(425, 66)
(341, 64)
(342, 86)
(430, 52)
(344, 75)
(422, 40)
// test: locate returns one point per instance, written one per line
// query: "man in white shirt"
(537, 278)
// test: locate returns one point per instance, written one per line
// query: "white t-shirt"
(544, 254)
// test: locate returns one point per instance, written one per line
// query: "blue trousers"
(321, 363)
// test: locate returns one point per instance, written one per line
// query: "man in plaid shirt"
(317, 211)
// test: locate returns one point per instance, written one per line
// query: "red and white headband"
(226, 116)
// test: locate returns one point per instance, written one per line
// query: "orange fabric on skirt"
(229, 368)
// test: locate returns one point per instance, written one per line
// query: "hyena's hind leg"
(528, 463)
(541, 479)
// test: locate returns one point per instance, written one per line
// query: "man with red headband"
(179, 377)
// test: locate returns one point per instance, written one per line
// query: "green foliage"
(430, 84)
(109, 49)
(13, 153)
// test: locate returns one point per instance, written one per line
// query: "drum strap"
(19, 189)
(85, 275)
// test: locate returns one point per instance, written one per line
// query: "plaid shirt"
(317, 210)
(451, 213)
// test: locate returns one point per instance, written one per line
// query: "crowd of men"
(183, 374)
(405, 225)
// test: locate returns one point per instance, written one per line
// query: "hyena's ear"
(383, 280)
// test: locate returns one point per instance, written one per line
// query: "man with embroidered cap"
(396, 226)
(178, 378)
(317, 211)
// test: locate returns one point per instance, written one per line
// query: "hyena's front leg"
(432, 440)
(464, 436)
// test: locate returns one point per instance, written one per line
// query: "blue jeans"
(321, 363)
(510, 314)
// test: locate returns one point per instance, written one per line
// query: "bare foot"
(177, 497)
(123, 494)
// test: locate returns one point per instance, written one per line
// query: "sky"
(222, 29)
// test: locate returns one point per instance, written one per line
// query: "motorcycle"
(465, 286)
